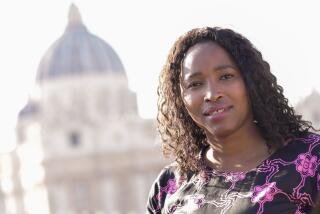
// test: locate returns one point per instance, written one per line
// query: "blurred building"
(309, 108)
(82, 147)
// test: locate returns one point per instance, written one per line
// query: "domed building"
(82, 147)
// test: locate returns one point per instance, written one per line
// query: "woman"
(238, 146)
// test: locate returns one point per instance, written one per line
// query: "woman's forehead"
(205, 54)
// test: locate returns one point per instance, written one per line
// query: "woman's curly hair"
(182, 137)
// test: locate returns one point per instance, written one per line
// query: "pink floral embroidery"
(306, 164)
(199, 200)
(235, 176)
(264, 193)
(171, 186)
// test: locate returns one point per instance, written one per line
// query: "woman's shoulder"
(309, 139)
(168, 172)
(171, 172)
(168, 181)
(304, 143)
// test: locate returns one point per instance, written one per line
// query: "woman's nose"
(212, 94)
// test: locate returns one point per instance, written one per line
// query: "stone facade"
(81, 145)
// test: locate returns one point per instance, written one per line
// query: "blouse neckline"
(224, 173)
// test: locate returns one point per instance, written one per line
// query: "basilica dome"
(78, 52)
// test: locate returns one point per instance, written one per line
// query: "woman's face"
(213, 91)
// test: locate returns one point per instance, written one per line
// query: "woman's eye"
(226, 76)
(194, 84)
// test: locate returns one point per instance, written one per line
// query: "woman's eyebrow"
(193, 74)
(223, 67)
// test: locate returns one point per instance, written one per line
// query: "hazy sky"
(142, 32)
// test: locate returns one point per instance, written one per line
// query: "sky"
(287, 33)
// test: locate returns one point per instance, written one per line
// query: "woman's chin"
(219, 132)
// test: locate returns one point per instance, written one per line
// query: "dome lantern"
(74, 16)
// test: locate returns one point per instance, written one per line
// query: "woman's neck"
(238, 152)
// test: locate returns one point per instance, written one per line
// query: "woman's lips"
(217, 113)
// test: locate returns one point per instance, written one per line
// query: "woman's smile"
(217, 113)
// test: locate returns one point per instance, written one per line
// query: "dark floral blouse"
(288, 182)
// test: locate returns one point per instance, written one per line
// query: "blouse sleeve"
(153, 203)
(159, 190)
